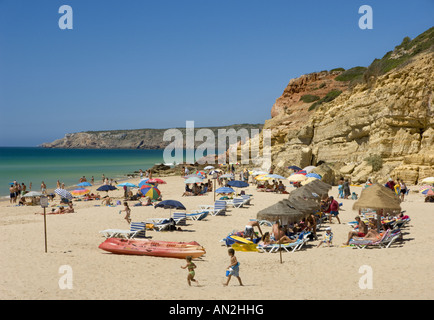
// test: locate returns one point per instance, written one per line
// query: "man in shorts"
(249, 231)
(362, 230)
(334, 209)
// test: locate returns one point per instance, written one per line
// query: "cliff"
(364, 122)
(129, 139)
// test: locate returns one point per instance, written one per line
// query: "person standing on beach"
(191, 266)
(127, 211)
(12, 194)
(43, 188)
(346, 188)
(334, 209)
(233, 268)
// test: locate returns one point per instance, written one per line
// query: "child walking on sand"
(233, 268)
(127, 212)
(191, 266)
(328, 237)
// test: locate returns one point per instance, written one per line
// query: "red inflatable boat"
(148, 247)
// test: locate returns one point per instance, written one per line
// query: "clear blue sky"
(155, 64)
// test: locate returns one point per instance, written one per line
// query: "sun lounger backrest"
(140, 227)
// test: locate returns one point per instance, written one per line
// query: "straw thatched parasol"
(288, 210)
(314, 190)
(378, 198)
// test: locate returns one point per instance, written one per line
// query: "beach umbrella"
(143, 182)
(127, 184)
(193, 180)
(257, 173)
(151, 192)
(225, 190)
(106, 187)
(428, 190)
(263, 177)
(202, 173)
(84, 184)
(194, 175)
(208, 168)
(313, 175)
(428, 180)
(238, 184)
(63, 193)
(295, 168)
(80, 192)
(286, 211)
(308, 169)
(156, 180)
(297, 178)
(170, 204)
(33, 194)
(275, 176)
(380, 199)
(227, 175)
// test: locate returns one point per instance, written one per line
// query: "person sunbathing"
(70, 209)
(107, 201)
(361, 232)
(266, 240)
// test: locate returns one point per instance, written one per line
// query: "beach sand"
(404, 271)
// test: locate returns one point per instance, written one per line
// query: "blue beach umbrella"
(294, 168)
(106, 187)
(127, 184)
(170, 204)
(225, 190)
(313, 175)
(238, 184)
(84, 184)
(143, 182)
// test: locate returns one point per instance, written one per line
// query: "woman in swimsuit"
(191, 266)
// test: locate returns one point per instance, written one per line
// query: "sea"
(35, 164)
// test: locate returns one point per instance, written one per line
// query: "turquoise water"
(69, 165)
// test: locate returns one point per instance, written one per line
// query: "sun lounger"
(362, 244)
(219, 208)
(137, 230)
(180, 218)
(197, 215)
(288, 247)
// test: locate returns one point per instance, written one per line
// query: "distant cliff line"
(130, 139)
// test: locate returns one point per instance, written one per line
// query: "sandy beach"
(403, 271)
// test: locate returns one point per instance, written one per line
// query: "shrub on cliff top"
(307, 98)
(328, 97)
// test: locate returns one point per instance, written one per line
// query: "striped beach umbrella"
(63, 193)
(313, 175)
(151, 192)
(427, 190)
(225, 190)
(80, 192)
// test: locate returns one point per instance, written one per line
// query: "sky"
(159, 63)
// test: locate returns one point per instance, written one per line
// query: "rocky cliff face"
(392, 119)
(389, 116)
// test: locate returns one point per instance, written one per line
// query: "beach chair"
(197, 215)
(219, 208)
(362, 244)
(180, 218)
(137, 230)
(288, 247)
(246, 198)
(238, 202)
